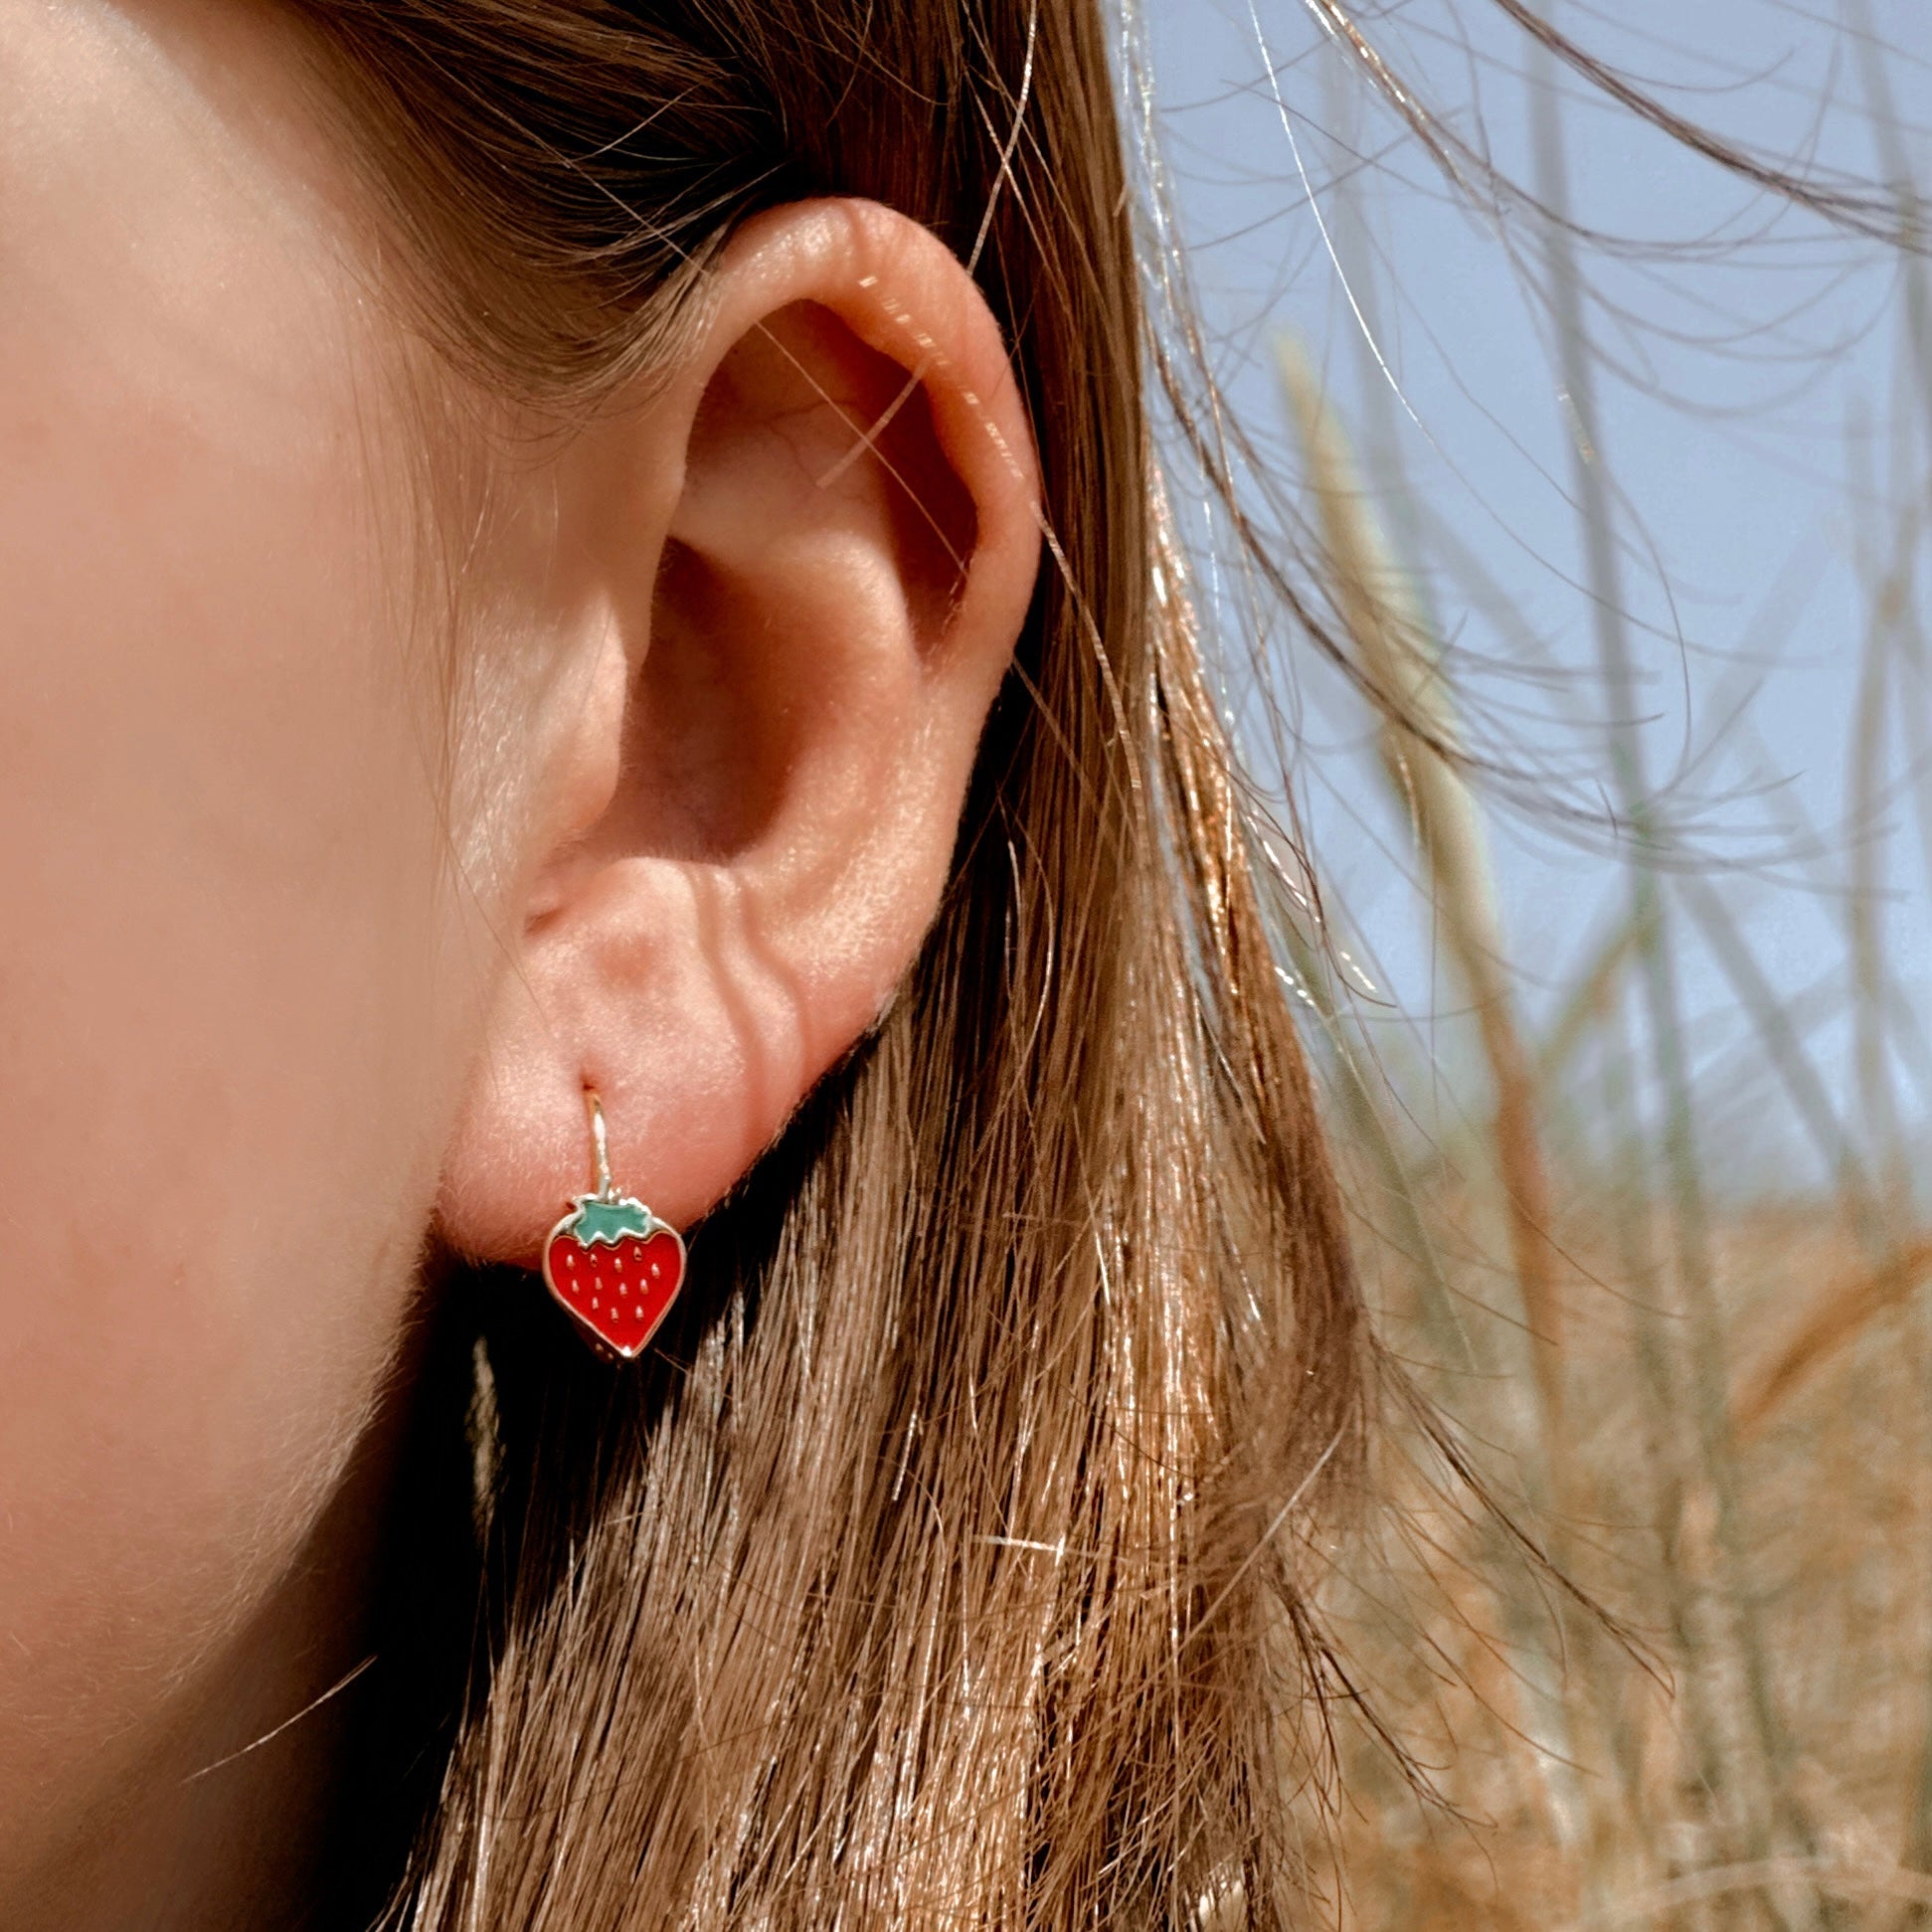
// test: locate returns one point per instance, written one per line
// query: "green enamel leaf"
(608, 1221)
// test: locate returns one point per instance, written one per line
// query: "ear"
(801, 558)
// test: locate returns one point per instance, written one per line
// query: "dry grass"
(1728, 1450)
(1450, 1627)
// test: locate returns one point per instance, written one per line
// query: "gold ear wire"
(600, 1145)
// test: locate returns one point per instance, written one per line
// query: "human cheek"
(235, 987)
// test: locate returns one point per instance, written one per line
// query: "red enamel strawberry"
(617, 1268)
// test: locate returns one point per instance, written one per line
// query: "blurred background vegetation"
(1592, 460)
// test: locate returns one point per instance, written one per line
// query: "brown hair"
(941, 1568)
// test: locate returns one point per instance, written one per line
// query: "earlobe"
(813, 546)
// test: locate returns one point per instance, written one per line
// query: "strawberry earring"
(611, 1262)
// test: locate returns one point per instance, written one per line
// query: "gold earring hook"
(606, 1191)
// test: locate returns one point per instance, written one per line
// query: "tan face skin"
(257, 1016)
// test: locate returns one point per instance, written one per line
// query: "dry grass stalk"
(1847, 1305)
(1596, 987)
(1769, 1876)
(1420, 732)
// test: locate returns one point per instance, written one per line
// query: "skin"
(285, 994)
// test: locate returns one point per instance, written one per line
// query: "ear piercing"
(615, 1267)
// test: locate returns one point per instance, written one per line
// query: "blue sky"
(1757, 420)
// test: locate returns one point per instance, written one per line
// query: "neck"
(222, 1817)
